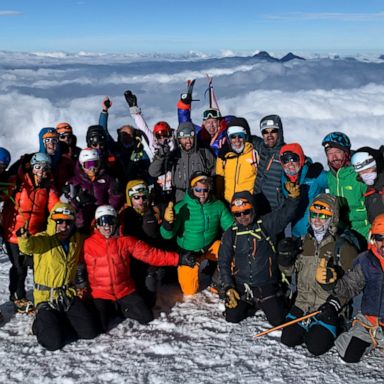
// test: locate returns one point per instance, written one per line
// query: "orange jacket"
(108, 263)
(29, 205)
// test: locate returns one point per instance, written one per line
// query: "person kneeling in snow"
(107, 257)
(56, 254)
(247, 258)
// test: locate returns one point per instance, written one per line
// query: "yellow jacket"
(238, 170)
(52, 267)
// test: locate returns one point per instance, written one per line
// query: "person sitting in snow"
(247, 258)
(108, 261)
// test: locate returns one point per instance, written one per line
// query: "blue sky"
(180, 26)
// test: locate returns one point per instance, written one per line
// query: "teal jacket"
(197, 225)
(350, 191)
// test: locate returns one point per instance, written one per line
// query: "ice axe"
(287, 324)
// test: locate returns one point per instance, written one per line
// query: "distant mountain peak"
(264, 55)
(290, 56)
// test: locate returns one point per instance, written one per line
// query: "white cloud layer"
(313, 97)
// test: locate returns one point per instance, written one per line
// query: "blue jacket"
(310, 188)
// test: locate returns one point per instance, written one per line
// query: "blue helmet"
(5, 156)
(40, 157)
(337, 140)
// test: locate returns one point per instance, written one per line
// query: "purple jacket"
(104, 189)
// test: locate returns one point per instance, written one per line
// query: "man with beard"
(342, 182)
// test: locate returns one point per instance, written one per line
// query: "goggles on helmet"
(211, 114)
(321, 207)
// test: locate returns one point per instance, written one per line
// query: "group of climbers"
(103, 225)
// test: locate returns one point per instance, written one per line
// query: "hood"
(51, 226)
(333, 203)
(55, 159)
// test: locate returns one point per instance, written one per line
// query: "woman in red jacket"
(107, 257)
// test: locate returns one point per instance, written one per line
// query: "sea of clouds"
(313, 97)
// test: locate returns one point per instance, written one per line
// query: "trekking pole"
(287, 324)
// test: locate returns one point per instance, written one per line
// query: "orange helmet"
(240, 205)
(63, 128)
(377, 227)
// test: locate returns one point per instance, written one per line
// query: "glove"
(106, 104)
(22, 232)
(187, 258)
(130, 98)
(169, 214)
(84, 198)
(287, 250)
(186, 97)
(232, 298)
(314, 170)
(292, 189)
(330, 309)
(163, 150)
(324, 274)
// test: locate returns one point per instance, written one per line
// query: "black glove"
(187, 258)
(84, 198)
(22, 232)
(130, 98)
(330, 310)
(314, 170)
(186, 97)
(163, 150)
(287, 250)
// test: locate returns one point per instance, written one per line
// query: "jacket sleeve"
(276, 221)
(156, 168)
(34, 244)
(226, 219)
(53, 198)
(150, 255)
(350, 285)
(141, 124)
(225, 259)
(170, 231)
(103, 121)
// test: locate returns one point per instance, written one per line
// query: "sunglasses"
(289, 157)
(242, 213)
(378, 237)
(138, 197)
(211, 114)
(322, 216)
(61, 221)
(106, 220)
(269, 131)
(199, 190)
(42, 167)
(52, 140)
(64, 135)
(240, 135)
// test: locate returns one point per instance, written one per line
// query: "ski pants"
(54, 328)
(316, 334)
(131, 306)
(189, 277)
(266, 298)
(17, 273)
(359, 340)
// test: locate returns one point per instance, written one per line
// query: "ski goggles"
(183, 134)
(289, 157)
(239, 135)
(211, 114)
(322, 216)
(163, 133)
(96, 140)
(42, 167)
(138, 189)
(378, 237)
(138, 197)
(246, 212)
(91, 164)
(63, 214)
(321, 207)
(52, 140)
(106, 220)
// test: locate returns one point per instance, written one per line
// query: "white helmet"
(40, 157)
(105, 210)
(88, 154)
(362, 161)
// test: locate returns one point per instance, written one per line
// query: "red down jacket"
(108, 263)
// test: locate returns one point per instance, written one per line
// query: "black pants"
(131, 306)
(315, 335)
(54, 329)
(266, 298)
(17, 273)
(139, 272)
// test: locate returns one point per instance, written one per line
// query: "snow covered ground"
(188, 342)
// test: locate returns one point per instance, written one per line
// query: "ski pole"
(287, 324)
